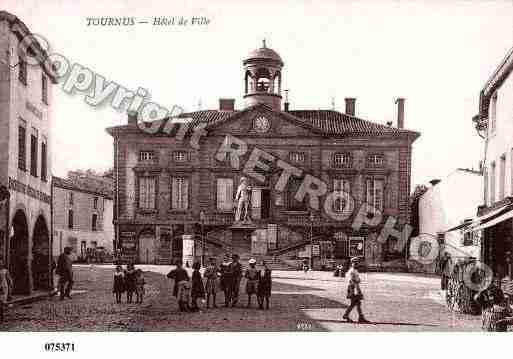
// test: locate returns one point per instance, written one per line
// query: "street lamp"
(202, 220)
(312, 217)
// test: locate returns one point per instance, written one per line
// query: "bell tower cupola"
(262, 77)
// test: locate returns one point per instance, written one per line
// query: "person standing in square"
(236, 270)
(264, 287)
(211, 275)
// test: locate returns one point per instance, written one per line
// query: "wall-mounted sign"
(17, 186)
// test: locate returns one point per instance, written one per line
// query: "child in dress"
(198, 290)
(264, 287)
(119, 283)
(252, 276)
(139, 286)
(130, 282)
(211, 274)
(5, 288)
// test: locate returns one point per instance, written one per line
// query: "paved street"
(311, 302)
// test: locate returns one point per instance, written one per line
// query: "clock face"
(261, 124)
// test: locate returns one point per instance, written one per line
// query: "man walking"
(65, 272)
(354, 293)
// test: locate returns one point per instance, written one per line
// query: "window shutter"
(151, 193)
(185, 194)
(378, 194)
(370, 191)
(229, 193)
(174, 193)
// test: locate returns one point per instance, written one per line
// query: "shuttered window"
(374, 193)
(179, 193)
(225, 194)
(147, 192)
(22, 149)
(342, 189)
(44, 165)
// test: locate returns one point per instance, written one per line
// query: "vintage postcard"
(264, 166)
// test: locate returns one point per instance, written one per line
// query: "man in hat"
(65, 271)
(354, 292)
(236, 271)
(252, 276)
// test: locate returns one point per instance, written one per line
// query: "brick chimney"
(132, 117)
(350, 106)
(226, 104)
(400, 112)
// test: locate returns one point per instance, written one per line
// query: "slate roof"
(325, 122)
(81, 187)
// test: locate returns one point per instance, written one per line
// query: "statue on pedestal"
(242, 198)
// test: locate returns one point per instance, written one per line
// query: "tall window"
(375, 160)
(71, 198)
(147, 192)
(22, 146)
(493, 113)
(179, 193)
(292, 188)
(502, 178)
(374, 193)
(70, 219)
(22, 72)
(94, 221)
(44, 88)
(146, 156)
(44, 164)
(95, 202)
(297, 157)
(492, 183)
(179, 156)
(342, 160)
(225, 194)
(33, 153)
(342, 188)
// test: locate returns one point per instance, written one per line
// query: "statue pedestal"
(247, 224)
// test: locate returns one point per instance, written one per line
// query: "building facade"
(82, 217)
(447, 204)
(25, 162)
(175, 200)
(494, 125)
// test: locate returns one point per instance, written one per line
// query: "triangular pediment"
(261, 120)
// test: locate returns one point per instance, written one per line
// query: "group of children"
(226, 277)
(130, 281)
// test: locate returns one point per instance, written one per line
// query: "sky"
(436, 54)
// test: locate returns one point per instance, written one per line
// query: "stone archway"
(18, 254)
(147, 247)
(41, 255)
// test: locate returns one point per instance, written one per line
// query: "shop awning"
(479, 221)
(493, 222)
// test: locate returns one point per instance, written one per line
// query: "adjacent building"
(175, 201)
(446, 204)
(82, 216)
(494, 124)
(25, 164)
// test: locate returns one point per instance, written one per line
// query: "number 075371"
(59, 347)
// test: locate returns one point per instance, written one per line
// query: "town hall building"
(175, 200)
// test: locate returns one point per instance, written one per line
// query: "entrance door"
(41, 255)
(147, 248)
(18, 254)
